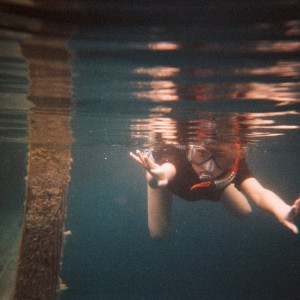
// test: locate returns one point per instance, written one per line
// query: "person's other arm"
(271, 203)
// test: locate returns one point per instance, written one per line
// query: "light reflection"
(285, 92)
(164, 91)
(256, 134)
(154, 126)
(167, 130)
(161, 109)
(275, 114)
(281, 68)
(293, 28)
(159, 71)
(163, 46)
(162, 127)
(158, 90)
(164, 84)
(281, 46)
(281, 127)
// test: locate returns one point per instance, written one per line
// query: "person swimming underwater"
(206, 171)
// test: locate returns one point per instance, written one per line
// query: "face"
(210, 161)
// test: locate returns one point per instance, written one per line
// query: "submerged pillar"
(49, 162)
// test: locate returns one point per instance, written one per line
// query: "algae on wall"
(49, 163)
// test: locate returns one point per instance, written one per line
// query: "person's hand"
(289, 221)
(159, 173)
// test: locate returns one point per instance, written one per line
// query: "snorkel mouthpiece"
(205, 177)
(221, 183)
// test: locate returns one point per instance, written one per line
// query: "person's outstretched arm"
(272, 203)
(159, 212)
(159, 198)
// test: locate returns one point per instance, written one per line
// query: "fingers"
(141, 159)
(291, 226)
(290, 220)
(295, 210)
(296, 206)
(135, 157)
(144, 159)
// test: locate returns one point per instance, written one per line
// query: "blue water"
(135, 68)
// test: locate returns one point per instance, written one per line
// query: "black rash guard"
(186, 177)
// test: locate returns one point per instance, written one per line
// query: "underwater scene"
(205, 95)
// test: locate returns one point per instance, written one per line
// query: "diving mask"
(198, 154)
(222, 156)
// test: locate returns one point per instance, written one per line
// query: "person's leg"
(235, 202)
(159, 212)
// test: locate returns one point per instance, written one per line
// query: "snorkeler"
(206, 171)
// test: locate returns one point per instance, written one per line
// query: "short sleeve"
(242, 174)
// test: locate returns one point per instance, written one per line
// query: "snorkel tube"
(225, 180)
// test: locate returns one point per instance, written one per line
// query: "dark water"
(138, 73)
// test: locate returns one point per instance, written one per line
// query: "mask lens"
(224, 157)
(199, 155)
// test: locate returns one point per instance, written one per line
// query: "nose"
(210, 166)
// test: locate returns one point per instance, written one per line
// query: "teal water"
(137, 70)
